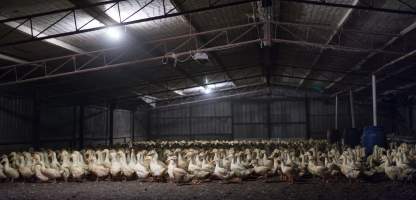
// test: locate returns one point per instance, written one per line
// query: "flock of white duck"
(198, 161)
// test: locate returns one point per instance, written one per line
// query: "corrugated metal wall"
(141, 125)
(59, 126)
(288, 119)
(227, 119)
(249, 118)
(15, 123)
(405, 120)
(56, 126)
(95, 126)
(210, 121)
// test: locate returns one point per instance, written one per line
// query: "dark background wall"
(255, 118)
(263, 117)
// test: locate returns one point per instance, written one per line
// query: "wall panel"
(15, 122)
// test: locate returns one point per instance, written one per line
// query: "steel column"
(74, 127)
(148, 125)
(336, 112)
(374, 95)
(36, 122)
(269, 124)
(307, 117)
(132, 125)
(81, 126)
(411, 117)
(232, 119)
(352, 110)
(111, 107)
(190, 120)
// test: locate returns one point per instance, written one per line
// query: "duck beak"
(148, 158)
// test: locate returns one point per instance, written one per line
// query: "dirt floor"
(310, 190)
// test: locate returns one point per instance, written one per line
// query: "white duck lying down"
(197, 161)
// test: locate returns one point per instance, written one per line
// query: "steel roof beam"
(165, 80)
(27, 30)
(127, 97)
(213, 55)
(102, 17)
(220, 94)
(391, 74)
(12, 59)
(355, 7)
(339, 25)
(117, 65)
(163, 16)
(358, 66)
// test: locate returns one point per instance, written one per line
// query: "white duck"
(49, 172)
(2, 174)
(66, 165)
(157, 167)
(10, 172)
(177, 174)
(126, 171)
(142, 172)
(77, 168)
(25, 168)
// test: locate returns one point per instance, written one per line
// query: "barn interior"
(299, 84)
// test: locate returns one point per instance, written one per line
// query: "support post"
(149, 124)
(374, 95)
(232, 119)
(269, 127)
(36, 122)
(307, 117)
(81, 126)
(336, 112)
(352, 110)
(111, 124)
(132, 125)
(411, 118)
(266, 14)
(190, 121)
(74, 128)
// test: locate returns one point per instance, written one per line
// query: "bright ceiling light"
(114, 33)
(207, 90)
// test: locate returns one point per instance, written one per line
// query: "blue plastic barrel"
(373, 136)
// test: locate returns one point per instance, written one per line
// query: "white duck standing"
(77, 169)
(142, 172)
(157, 167)
(10, 172)
(115, 169)
(66, 165)
(177, 174)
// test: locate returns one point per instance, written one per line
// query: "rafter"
(359, 65)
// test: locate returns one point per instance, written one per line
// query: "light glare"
(114, 33)
(207, 90)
